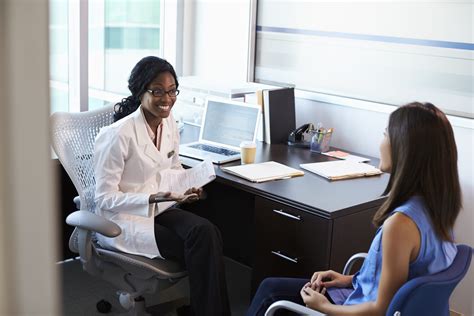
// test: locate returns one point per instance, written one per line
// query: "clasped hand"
(191, 195)
(313, 292)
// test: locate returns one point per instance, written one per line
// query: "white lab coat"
(128, 168)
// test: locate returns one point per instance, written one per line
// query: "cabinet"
(290, 242)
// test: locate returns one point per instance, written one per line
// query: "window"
(58, 60)
(389, 52)
(118, 33)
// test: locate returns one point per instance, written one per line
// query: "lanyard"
(158, 138)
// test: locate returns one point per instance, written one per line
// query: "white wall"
(219, 48)
(217, 37)
(28, 223)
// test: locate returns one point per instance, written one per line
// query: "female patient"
(130, 158)
(415, 223)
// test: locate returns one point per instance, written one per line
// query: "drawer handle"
(279, 254)
(296, 217)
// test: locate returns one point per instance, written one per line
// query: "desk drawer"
(291, 230)
(289, 242)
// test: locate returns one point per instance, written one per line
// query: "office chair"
(425, 295)
(73, 137)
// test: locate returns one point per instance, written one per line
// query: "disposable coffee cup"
(247, 152)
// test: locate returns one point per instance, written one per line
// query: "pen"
(321, 132)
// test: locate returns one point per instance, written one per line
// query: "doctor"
(130, 158)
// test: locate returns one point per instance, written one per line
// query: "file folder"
(265, 171)
(342, 169)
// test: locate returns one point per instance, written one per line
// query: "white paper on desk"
(179, 181)
(345, 156)
(356, 158)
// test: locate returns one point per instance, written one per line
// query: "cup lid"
(248, 144)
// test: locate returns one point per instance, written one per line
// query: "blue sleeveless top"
(435, 254)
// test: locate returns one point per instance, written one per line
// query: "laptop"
(226, 123)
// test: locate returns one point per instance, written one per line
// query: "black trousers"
(197, 243)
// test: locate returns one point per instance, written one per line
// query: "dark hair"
(144, 72)
(424, 162)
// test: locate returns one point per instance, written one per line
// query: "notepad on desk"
(264, 171)
(342, 169)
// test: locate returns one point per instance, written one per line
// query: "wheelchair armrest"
(351, 261)
(93, 222)
(297, 308)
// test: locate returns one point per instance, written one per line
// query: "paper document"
(342, 169)
(345, 156)
(265, 171)
(179, 181)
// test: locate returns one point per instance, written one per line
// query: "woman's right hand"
(171, 196)
(160, 197)
(329, 279)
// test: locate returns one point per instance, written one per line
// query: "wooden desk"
(290, 227)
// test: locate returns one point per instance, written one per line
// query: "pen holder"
(320, 141)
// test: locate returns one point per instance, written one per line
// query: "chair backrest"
(429, 295)
(73, 137)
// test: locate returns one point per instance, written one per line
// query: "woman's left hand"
(197, 191)
(192, 195)
(314, 299)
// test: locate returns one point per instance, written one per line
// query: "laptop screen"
(229, 123)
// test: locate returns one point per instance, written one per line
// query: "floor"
(81, 292)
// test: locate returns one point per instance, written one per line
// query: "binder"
(264, 171)
(278, 114)
(257, 98)
(342, 169)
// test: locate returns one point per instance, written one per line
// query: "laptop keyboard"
(217, 150)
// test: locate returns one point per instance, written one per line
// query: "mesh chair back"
(73, 138)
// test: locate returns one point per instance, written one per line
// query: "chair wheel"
(126, 300)
(103, 307)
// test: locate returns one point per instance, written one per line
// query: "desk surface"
(312, 193)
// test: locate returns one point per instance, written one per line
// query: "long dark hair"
(144, 72)
(424, 162)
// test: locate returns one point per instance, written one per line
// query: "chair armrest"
(77, 201)
(297, 308)
(352, 260)
(93, 222)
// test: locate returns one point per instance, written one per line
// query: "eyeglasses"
(160, 92)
